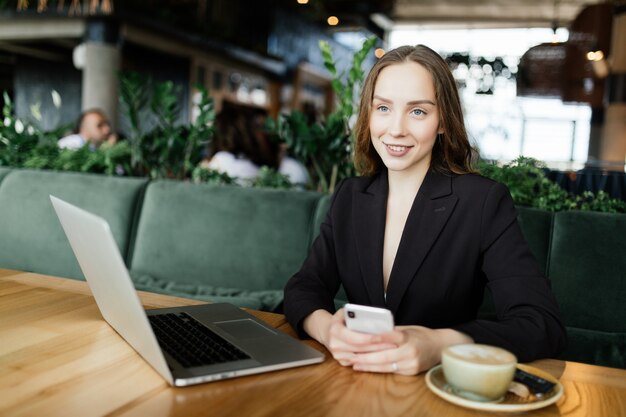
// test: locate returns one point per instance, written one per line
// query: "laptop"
(185, 345)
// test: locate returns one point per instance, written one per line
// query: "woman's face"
(404, 120)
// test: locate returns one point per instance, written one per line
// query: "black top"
(461, 235)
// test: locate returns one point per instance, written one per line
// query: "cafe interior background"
(543, 79)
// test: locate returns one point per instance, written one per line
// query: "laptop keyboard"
(191, 343)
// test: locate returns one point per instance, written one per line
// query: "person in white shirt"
(295, 171)
(236, 166)
(240, 147)
(92, 128)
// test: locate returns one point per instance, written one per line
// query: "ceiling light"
(333, 20)
(598, 63)
(595, 56)
(303, 1)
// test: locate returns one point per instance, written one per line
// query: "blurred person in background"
(242, 147)
(237, 151)
(92, 128)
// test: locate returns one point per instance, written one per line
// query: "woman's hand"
(406, 350)
(331, 331)
(418, 349)
(344, 344)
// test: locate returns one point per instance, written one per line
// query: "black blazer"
(460, 236)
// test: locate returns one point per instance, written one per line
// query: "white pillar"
(99, 58)
(100, 81)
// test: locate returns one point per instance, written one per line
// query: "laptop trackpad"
(244, 329)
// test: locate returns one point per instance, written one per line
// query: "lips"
(397, 150)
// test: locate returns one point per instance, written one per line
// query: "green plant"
(267, 178)
(529, 186)
(134, 99)
(169, 149)
(271, 178)
(326, 147)
(210, 176)
(19, 139)
(105, 160)
(353, 79)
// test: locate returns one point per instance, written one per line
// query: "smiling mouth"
(397, 148)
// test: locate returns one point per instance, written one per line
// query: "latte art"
(482, 354)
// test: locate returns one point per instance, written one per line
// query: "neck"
(404, 184)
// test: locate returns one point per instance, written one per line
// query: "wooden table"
(58, 357)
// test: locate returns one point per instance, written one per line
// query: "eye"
(382, 108)
(418, 112)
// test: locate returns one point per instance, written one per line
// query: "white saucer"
(511, 403)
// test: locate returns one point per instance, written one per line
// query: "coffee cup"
(478, 372)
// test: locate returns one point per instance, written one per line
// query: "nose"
(396, 128)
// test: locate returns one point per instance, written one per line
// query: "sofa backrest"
(587, 268)
(3, 172)
(223, 236)
(32, 238)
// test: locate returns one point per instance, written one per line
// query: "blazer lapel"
(368, 214)
(431, 210)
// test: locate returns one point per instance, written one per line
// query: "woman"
(421, 235)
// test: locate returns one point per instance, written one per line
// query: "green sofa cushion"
(32, 238)
(599, 348)
(223, 236)
(587, 269)
(259, 300)
(3, 172)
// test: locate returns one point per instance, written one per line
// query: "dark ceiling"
(448, 13)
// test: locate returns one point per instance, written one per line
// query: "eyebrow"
(411, 103)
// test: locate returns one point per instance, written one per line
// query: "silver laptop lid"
(104, 269)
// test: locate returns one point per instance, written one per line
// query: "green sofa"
(224, 243)
(583, 256)
(213, 243)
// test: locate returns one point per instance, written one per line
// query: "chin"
(397, 167)
(407, 167)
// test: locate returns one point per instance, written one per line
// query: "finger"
(396, 336)
(400, 368)
(341, 344)
(386, 368)
(338, 317)
(346, 342)
(344, 358)
(362, 348)
(352, 338)
(382, 361)
(381, 357)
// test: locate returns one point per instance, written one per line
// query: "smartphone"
(365, 319)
